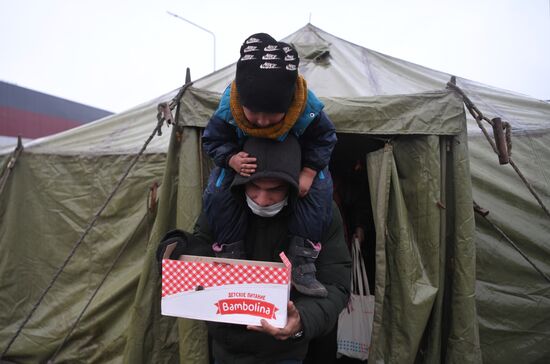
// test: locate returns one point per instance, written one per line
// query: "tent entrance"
(412, 197)
(351, 192)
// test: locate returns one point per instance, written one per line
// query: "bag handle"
(356, 285)
(359, 281)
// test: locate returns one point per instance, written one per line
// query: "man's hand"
(359, 234)
(176, 241)
(306, 179)
(243, 164)
(293, 325)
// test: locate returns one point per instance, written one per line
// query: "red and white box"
(226, 290)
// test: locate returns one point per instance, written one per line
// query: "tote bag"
(355, 321)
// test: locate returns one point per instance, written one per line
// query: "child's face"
(263, 119)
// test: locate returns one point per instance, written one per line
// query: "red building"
(31, 114)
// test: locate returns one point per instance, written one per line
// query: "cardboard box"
(226, 290)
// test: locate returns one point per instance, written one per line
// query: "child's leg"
(226, 216)
(313, 215)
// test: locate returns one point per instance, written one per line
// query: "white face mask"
(266, 211)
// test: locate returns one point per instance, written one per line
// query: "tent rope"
(81, 239)
(483, 213)
(161, 118)
(77, 321)
(152, 202)
(11, 164)
(478, 116)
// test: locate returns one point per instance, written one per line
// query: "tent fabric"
(153, 338)
(352, 71)
(436, 112)
(513, 299)
(59, 182)
(123, 133)
(355, 71)
(420, 271)
(44, 208)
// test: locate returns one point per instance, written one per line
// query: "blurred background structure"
(32, 114)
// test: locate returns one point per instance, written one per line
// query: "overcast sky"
(115, 54)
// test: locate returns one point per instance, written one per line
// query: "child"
(268, 99)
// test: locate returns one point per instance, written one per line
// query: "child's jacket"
(222, 137)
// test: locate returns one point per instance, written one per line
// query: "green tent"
(451, 285)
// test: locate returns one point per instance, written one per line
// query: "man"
(269, 197)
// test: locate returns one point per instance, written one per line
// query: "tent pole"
(445, 248)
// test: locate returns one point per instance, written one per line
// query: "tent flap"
(421, 276)
(438, 113)
(179, 205)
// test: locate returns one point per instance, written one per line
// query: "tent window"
(319, 53)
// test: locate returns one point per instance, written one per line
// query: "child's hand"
(243, 164)
(306, 179)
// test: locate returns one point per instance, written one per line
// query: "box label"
(225, 290)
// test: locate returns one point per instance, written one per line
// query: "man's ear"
(238, 193)
(292, 197)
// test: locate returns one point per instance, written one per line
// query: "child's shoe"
(302, 254)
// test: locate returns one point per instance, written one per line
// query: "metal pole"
(202, 28)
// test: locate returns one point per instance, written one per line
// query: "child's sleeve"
(220, 141)
(317, 142)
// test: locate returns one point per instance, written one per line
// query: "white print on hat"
(270, 56)
(287, 49)
(253, 40)
(271, 48)
(290, 57)
(248, 57)
(269, 66)
(250, 49)
(291, 67)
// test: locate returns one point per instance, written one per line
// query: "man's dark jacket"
(266, 238)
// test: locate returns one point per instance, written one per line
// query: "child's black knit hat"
(266, 74)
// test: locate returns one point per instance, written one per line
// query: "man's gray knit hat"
(274, 159)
